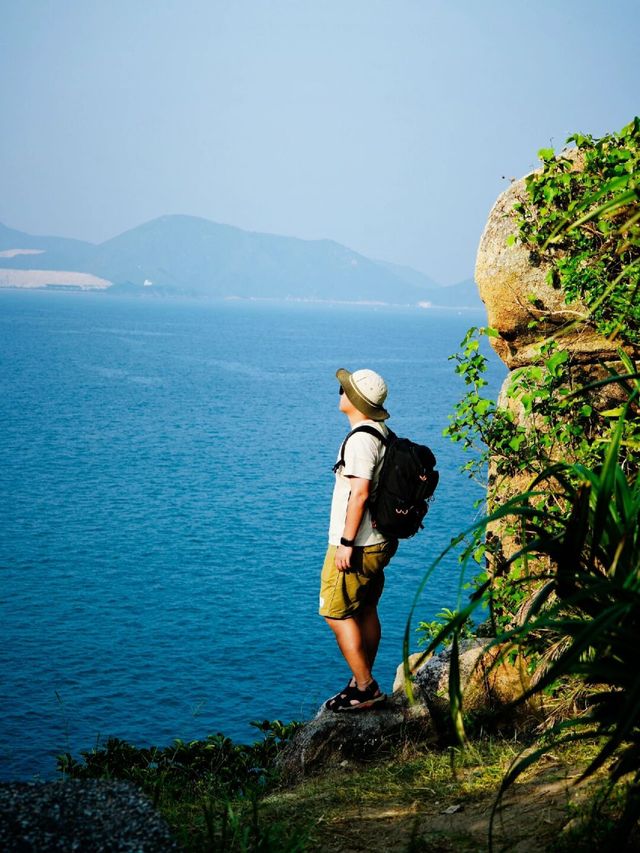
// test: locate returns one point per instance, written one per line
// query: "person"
(352, 577)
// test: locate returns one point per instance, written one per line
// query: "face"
(345, 404)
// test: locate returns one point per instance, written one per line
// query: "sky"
(390, 126)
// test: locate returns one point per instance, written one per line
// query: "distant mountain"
(57, 249)
(201, 258)
(464, 294)
(187, 255)
(411, 276)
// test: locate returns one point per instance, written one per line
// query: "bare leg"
(352, 645)
(370, 630)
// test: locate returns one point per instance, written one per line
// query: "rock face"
(489, 682)
(513, 287)
(515, 292)
(335, 739)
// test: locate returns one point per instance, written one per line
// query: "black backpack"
(405, 487)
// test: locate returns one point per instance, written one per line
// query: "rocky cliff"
(527, 311)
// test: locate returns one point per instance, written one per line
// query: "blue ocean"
(165, 491)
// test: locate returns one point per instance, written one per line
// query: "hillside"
(202, 258)
(464, 294)
(9, 237)
(190, 256)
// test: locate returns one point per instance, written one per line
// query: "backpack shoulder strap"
(364, 428)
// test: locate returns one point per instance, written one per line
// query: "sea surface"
(164, 500)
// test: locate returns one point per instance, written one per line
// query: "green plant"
(576, 514)
(584, 620)
(582, 216)
(594, 615)
(241, 827)
(428, 630)
(216, 762)
(545, 417)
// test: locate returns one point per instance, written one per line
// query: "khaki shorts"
(342, 594)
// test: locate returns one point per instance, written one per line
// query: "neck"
(356, 418)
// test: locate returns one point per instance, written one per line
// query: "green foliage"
(475, 417)
(594, 822)
(584, 523)
(210, 791)
(544, 417)
(579, 519)
(585, 222)
(593, 620)
(216, 763)
(582, 216)
(233, 827)
(428, 630)
(577, 615)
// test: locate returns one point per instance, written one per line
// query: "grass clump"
(209, 791)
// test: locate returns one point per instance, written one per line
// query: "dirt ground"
(534, 814)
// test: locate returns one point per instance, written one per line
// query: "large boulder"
(490, 682)
(332, 739)
(512, 284)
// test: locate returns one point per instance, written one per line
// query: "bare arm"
(355, 510)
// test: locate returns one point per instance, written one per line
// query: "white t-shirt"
(363, 457)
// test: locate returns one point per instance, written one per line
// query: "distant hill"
(187, 255)
(201, 258)
(60, 248)
(464, 294)
(411, 276)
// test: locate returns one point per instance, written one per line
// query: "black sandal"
(353, 699)
(341, 694)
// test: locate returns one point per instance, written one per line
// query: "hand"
(343, 558)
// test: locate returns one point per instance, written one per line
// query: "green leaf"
(455, 691)
(516, 442)
(546, 154)
(556, 360)
(483, 406)
(535, 373)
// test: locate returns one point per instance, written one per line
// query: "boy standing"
(353, 573)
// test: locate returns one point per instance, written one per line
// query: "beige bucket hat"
(367, 390)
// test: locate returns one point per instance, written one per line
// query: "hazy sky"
(388, 126)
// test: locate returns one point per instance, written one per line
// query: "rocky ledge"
(490, 683)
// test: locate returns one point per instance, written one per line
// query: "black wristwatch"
(348, 543)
